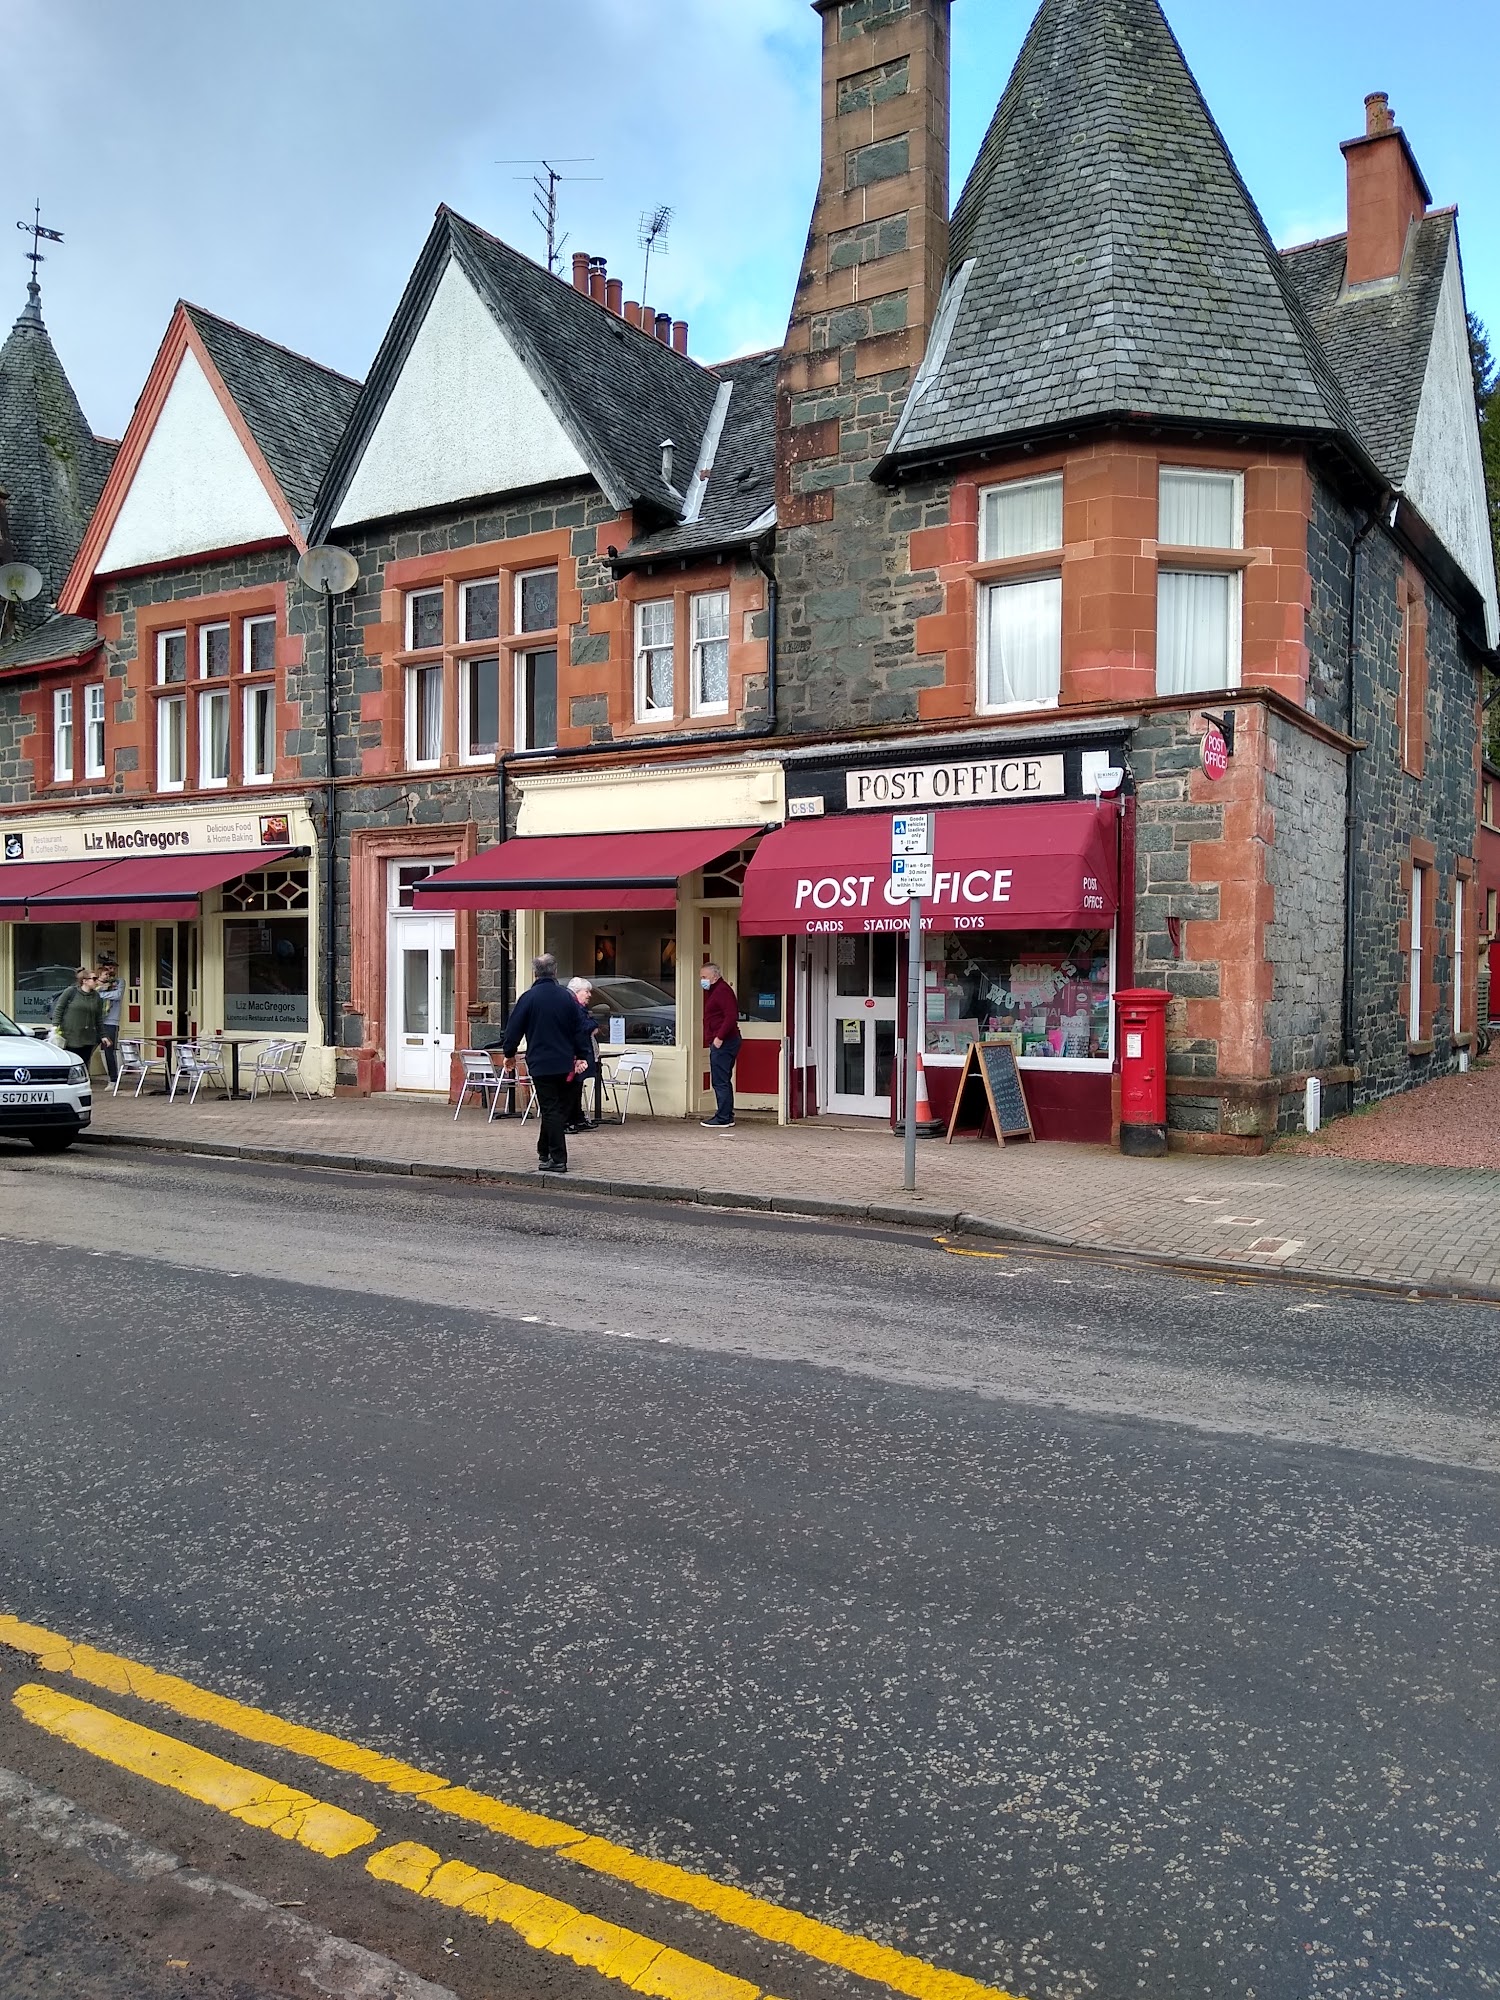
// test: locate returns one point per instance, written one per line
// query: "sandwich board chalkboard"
(991, 1097)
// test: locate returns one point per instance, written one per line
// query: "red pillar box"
(1143, 1072)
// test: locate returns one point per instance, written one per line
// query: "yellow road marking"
(988, 1256)
(549, 1925)
(913, 1977)
(244, 1795)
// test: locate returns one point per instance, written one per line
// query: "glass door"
(862, 1014)
(424, 971)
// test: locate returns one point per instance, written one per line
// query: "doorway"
(423, 978)
(173, 967)
(861, 984)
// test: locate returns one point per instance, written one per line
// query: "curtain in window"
(1023, 519)
(1193, 651)
(1198, 510)
(711, 649)
(216, 731)
(172, 741)
(258, 729)
(429, 715)
(657, 665)
(1025, 643)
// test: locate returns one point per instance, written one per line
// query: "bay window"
(655, 659)
(62, 736)
(1020, 615)
(710, 653)
(1198, 612)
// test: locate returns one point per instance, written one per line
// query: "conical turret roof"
(51, 464)
(1107, 259)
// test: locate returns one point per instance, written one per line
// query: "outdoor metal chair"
(480, 1077)
(131, 1060)
(277, 1062)
(518, 1076)
(196, 1063)
(628, 1071)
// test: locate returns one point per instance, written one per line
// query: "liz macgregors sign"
(979, 781)
(109, 840)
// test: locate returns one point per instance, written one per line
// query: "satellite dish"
(329, 568)
(19, 582)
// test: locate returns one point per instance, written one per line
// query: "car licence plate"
(25, 1096)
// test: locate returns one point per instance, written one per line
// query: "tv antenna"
(655, 224)
(39, 235)
(544, 186)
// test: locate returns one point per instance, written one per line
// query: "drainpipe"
(508, 922)
(771, 606)
(1351, 805)
(330, 819)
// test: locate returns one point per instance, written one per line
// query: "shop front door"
(862, 980)
(173, 960)
(422, 1005)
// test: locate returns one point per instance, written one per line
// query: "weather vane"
(38, 235)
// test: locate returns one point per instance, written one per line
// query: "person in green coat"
(78, 1013)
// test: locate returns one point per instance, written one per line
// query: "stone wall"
(1304, 940)
(18, 744)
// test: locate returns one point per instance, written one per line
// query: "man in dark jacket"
(721, 1031)
(556, 1032)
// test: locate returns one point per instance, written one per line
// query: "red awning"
(579, 871)
(146, 888)
(20, 881)
(998, 868)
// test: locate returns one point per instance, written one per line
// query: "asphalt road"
(1083, 1629)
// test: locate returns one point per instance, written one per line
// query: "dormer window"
(1020, 610)
(1198, 602)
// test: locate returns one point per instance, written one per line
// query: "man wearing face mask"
(721, 1033)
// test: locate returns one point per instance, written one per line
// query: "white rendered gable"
(463, 418)
(1445, 477)
(195, 488)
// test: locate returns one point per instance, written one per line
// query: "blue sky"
(278, 161)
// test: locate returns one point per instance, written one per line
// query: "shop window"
(710, 653)
(171, 743)
(271, 889)
(725, 877)
(213, 740)
(265, 974)
(1020, 618)
(655, 660)
(1198, 608)
(758, 986)
(536, 700)
(62, 736)
(631, 958)
(93, 730)
(424, 716)
(1051, 990)
(46, 958)
(479, 707)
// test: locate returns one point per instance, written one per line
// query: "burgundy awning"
(579, 871)
(20, 881)
(998, 868)
(146, 888)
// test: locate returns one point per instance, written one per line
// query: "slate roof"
(60, 638)
(1379, 338)
(295, 409)
(1120, 265)
(51, 464)
(741, 486)
(616, 391)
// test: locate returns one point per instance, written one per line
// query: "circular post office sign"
(1215, 753)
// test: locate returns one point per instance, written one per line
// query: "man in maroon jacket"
(721, 1032)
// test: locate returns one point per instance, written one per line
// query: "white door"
(422, 975)
(862, 1006)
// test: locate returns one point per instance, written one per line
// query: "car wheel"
(52, 1142)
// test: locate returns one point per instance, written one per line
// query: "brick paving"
(1420, 1226)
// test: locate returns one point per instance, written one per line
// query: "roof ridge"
(265, 340)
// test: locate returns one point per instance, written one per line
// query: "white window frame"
(164, 708)
(1491, 913)
(247, 645)
(411, 619)
(465, 705)
(258, 691)
(1460, 957)
(645, 709)
(1004, 489)
(1416, 915)
(413, 675)
(523, 657)
(987, 595)
(209, 780)
(1235, 613)
(1048, 569)
(93, 730)
(1227, 474)
(162, 638)
(218, 625)
(696, 643)
(465, 637)
(62, 736)
(523, 576)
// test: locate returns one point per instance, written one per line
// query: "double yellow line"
(638, 1962)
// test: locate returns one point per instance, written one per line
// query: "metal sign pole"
(913, 1030)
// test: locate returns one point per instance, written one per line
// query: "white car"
(44, 1092)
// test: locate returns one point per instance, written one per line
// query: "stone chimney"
(1387, 194)
(877, 252)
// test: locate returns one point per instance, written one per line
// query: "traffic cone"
(927, 1125)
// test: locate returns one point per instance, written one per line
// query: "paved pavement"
(805, 1558)
(1423, 1227)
